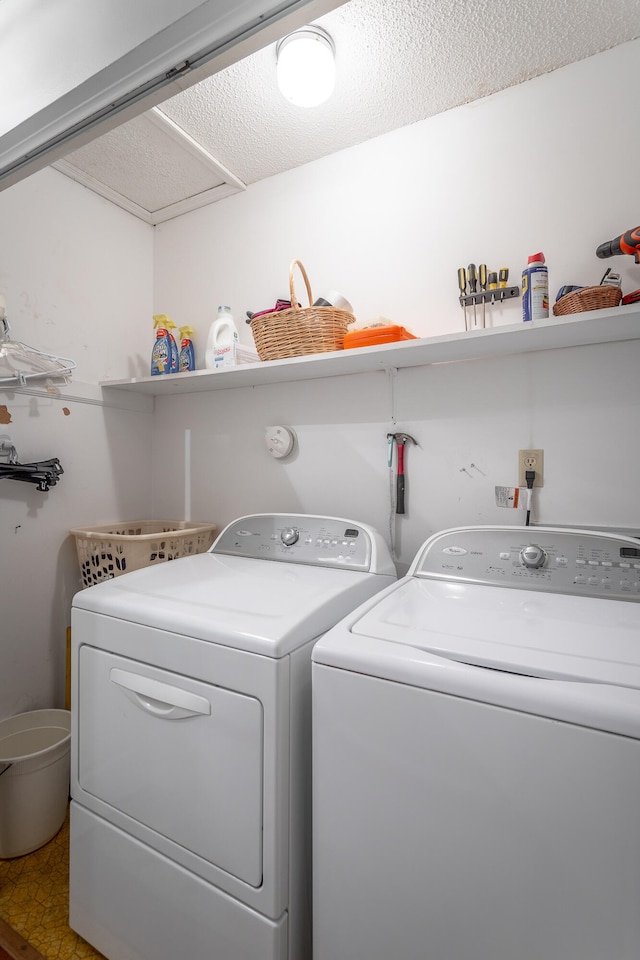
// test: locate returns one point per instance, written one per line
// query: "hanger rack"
(20, 364)
(44, 473)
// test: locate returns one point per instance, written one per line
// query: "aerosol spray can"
(535, 289)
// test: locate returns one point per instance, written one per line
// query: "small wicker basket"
(105, 552)
(299, 331)
(589, 298)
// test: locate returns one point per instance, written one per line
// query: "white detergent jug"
(220, 353)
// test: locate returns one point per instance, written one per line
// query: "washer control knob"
(289, 536)
(533, 556)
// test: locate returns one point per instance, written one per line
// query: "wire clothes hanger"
(20, 363)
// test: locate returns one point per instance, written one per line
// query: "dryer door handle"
(160, 699)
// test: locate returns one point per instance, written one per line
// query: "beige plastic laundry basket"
(105, 552)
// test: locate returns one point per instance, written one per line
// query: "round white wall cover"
(279, 440)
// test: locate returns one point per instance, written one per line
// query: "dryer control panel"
(555, 560)
(298, 538)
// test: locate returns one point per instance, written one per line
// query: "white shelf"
(597, 326)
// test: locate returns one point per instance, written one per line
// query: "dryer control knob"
(533, 556)
(289, 536)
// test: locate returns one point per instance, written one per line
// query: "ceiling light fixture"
(306, 66)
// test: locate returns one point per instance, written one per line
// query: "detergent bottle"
(221, 342)
(187, 358)
(161, 352)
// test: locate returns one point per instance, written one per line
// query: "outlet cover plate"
(531, 460)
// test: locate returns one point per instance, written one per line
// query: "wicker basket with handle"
(589, 298)
(299, 330)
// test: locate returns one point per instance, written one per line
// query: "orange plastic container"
(370, 336)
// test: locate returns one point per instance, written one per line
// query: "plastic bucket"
(34, 779)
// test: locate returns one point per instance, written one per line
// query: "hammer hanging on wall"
(400, 439)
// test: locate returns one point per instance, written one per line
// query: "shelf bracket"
(392, 379)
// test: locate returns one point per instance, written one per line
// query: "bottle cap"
(536, 257)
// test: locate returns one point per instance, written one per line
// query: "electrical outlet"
(531, 460)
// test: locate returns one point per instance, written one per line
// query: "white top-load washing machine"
(476, 755)
(191, 710)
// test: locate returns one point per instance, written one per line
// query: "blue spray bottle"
(187, 359)
(173, 346)
(161, 352)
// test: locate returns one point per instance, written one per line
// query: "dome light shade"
(306, 68)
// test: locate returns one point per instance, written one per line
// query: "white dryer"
(191, 710)
(476, 755)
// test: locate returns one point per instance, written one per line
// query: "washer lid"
(565, 658)
(261, 606)
(517, 631)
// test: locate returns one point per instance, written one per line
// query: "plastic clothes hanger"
(44, 473)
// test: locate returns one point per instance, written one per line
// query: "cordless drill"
(628, 243)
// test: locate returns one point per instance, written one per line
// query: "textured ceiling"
(398, 61)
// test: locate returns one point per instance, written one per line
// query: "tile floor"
(34, 902)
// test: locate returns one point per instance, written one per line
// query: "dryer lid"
(264, 607)
(533, 634)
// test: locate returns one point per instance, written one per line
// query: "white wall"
(76, 273)
(388, 223)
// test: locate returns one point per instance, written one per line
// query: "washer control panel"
(556, 560)
(322, 541)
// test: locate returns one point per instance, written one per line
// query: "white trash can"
(34, 779)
